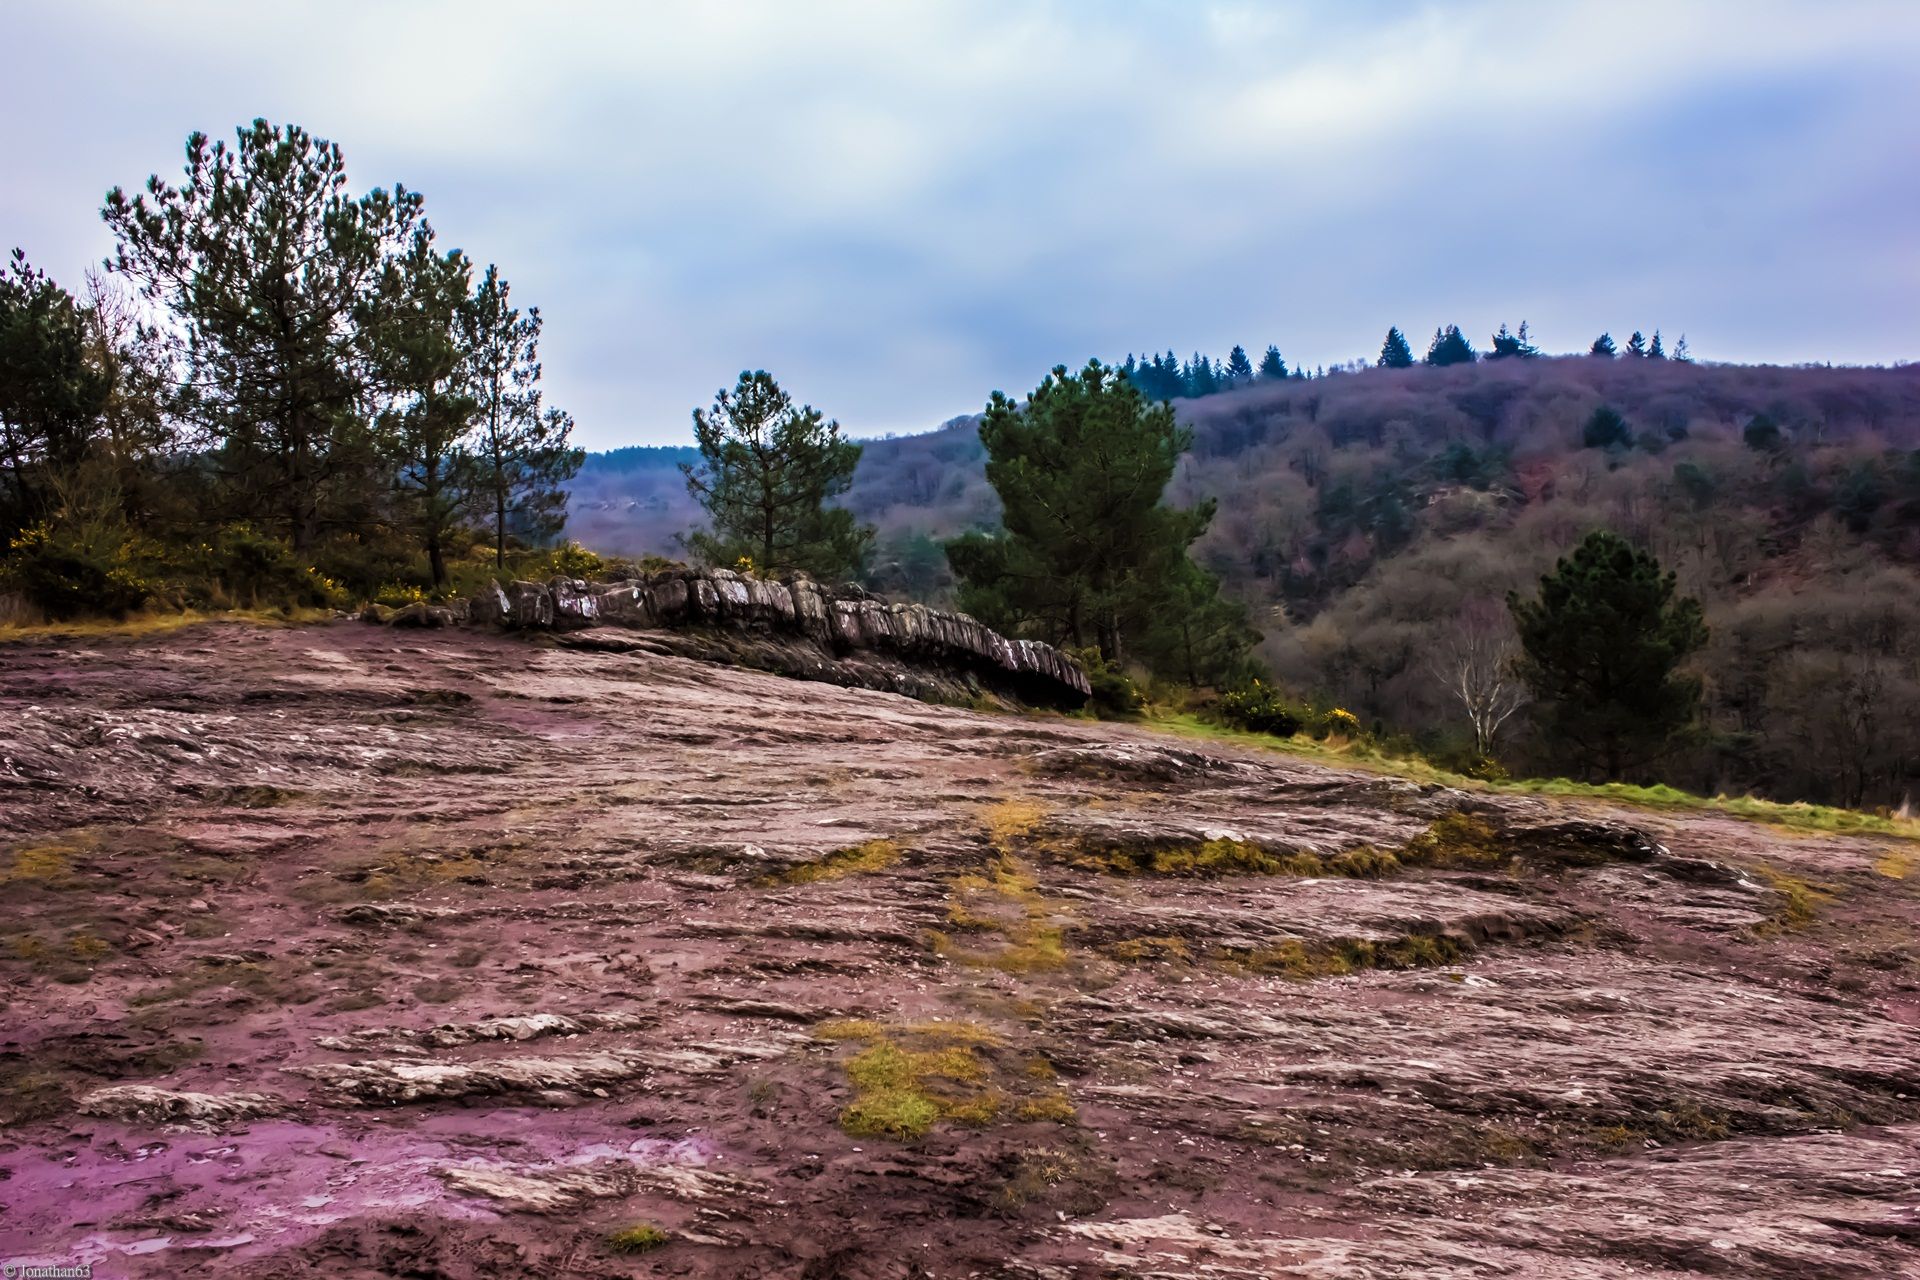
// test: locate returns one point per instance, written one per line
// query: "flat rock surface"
(351, 951)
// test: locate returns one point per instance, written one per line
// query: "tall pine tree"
(522, 453)
(1271, 365)
(1239, 368)
(767, 469)
(264, 257)
(1450, 346)
(411, 328)
(1602, 645)
(52, 393)
(1090, 555)
(1394, 352)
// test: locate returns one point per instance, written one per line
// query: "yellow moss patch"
(860, 859)
(1150, 949)
(1012, 820)
(909, 1078)
(1798, 900)
(955, 1032)
(1457, 840)
(1893, 864)
(983, 902)
(1295, 958)
(1054, 1108)
(43, 862)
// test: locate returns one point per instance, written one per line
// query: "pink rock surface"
(352, 951)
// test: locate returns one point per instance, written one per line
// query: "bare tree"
(1474, 663)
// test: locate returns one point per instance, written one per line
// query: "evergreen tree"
(1602, 645)
(1193, 633)
(1089, 554)
(1271, 365)
(1450, 346)
(1395, 353)
(1603, 347)
(1636, 345)
(264, 258)
(1509, 346)
(522, 453)
(1763, 434)
(1656, 351)
(1201, 379)
(1239, 368)
(411, 325)
(52, 392)
(1682, 354)
(1606, 429)
(767, 470)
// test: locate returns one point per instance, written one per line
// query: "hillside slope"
(1363, 515)
(350, 950)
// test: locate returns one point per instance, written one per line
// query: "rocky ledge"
(792, 625)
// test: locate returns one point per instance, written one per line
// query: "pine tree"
(1656, 351)
(1089, 555)
(522, 453)
(264, 258)
(1682, 354)
(1201, 379)
(1606, 429)
(1395, 353)
(1763, 435)
(1603, 347)
(1602, 645)
(411, 327)
(1450, 347)
(1636, 345)
(51, 392)
(1509, 346)
(766, 473)
(1271, 365)
(1239, 368)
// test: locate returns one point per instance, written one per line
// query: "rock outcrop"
(799, 627)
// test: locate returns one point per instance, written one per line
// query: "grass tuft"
(642, 1237)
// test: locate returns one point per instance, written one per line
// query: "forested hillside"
(1375, 520)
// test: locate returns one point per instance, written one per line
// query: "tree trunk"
(500, 527)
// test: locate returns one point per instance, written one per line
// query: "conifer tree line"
(278, 391)
(1168, 377)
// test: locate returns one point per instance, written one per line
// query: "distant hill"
(1362, 513)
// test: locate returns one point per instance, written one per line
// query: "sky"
(897, 208)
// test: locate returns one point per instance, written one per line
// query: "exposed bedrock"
(798, 627)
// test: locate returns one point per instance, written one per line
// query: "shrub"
(571, 560)
(1340, 723)
(255, 568)
(1115, 694)
(1260, 708)
(66, 573)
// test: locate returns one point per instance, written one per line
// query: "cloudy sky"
(898, 207)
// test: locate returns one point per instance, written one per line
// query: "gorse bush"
(67, 574)
(1261, 708)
